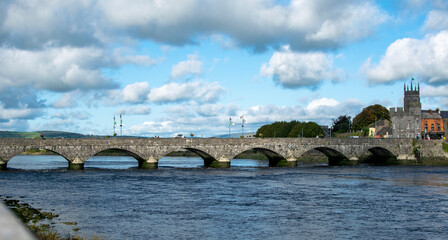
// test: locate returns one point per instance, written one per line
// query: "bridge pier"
(288, 162)
(150, 163)
(3, 165)
(222, 162)
(77, 163)
(282, 162)
(75, 166)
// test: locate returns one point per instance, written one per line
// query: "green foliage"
(277, 129)
(310, 129)
(368, 116)
(445, 147)
(290, 129)
(342, 124)
(364, 131)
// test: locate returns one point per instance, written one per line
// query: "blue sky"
(174, 67)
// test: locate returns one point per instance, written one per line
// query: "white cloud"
(430, 91)
(323, 102)
(79, 115)
(134, 110)
(295, 70)
(198, 91)
(319, 110)
(436, 20)
(214, 118)
(427, 58)
(153, 128)
(192, 66)
(258, 24)
(217, 109)
(67, 100)
(34, 24)
(18, 113)
(60, 69)
(56, 69)
(135, 92)
(141, 92)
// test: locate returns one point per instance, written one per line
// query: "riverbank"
(39, 222)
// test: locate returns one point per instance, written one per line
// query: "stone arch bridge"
(216, 152)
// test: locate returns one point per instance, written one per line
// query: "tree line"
(362, 121)
(342, 124)
(290, 129)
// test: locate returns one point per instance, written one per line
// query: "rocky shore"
(38, 221)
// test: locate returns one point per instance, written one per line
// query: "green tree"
(342, 124)
(277, 129)
(369, 115)
(290, 129)
(310, 129)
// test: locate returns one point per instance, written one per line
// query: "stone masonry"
(406, 122)
(218, 152)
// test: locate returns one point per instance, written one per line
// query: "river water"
(182, 200)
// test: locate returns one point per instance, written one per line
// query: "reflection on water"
(183, 200)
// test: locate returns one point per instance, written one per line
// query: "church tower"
(412, 99)
(406, 120)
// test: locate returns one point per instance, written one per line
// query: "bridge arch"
(115, 150)
(274, 157)
(209, 160)
(20, 151)
(334, 156)
(35, 148)
(378, 156)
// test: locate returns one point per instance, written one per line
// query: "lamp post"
(243, 121)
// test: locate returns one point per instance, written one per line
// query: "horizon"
(187, 67)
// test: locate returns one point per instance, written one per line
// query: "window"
(438, 127)
(432, 127)
(426, 127)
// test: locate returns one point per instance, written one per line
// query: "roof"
(428, 114)
(444, 114)
(382, 122)
(384, 130)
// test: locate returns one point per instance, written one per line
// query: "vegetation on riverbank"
(445, 147)
(39, 222)
(38, 152)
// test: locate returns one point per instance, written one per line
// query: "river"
(182, 200)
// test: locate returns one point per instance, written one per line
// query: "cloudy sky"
(171, 66)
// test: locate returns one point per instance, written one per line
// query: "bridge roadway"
(216, 152)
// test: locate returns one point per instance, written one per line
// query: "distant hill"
(47, 134)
